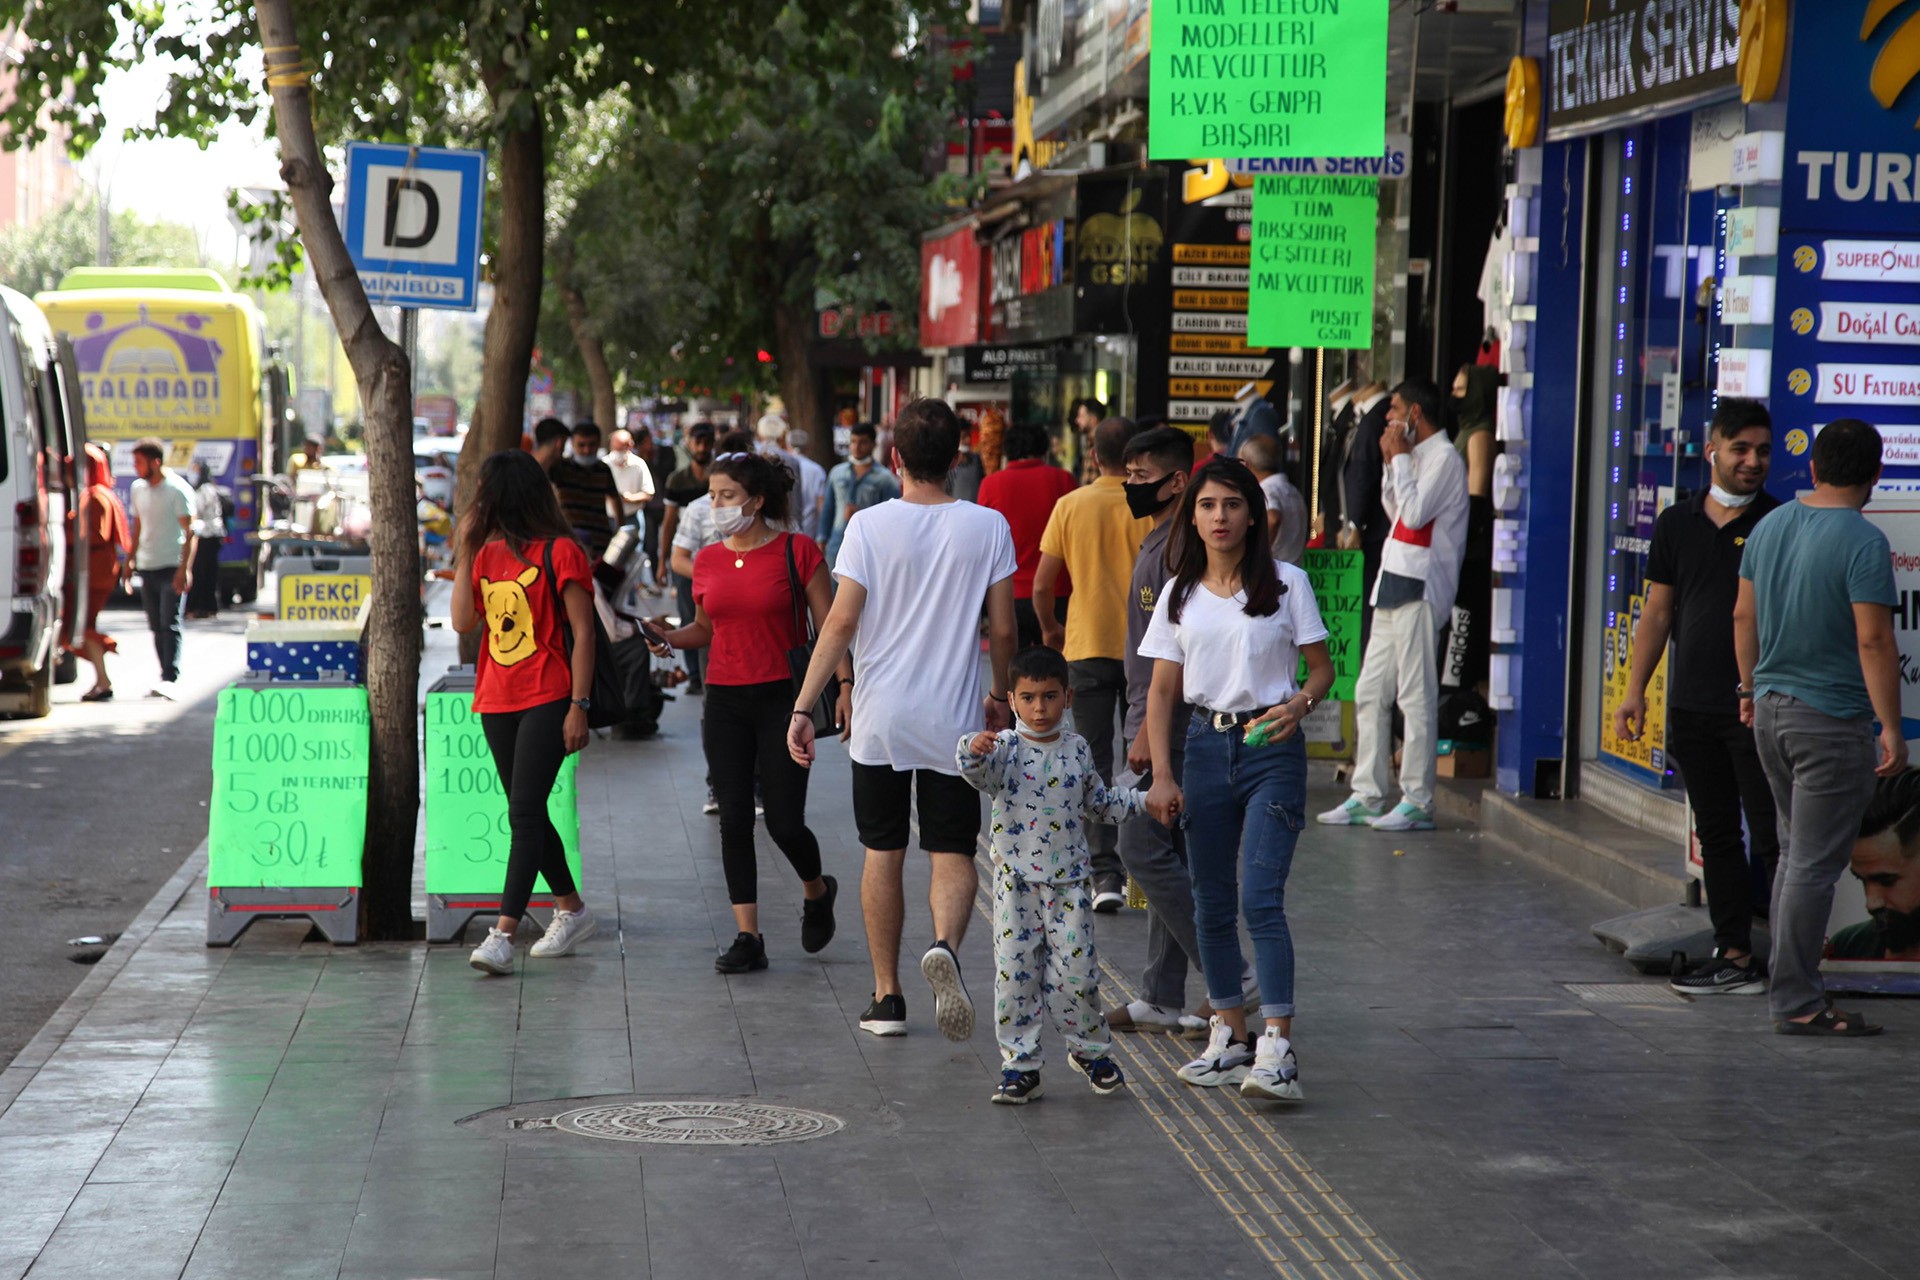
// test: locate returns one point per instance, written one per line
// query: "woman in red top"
(109, 541)
(517, 563)
(745, 617)
(1024, 491)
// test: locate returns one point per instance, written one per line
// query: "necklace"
(740, 557)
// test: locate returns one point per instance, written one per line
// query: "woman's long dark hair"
(1187, 554)
(515, 502)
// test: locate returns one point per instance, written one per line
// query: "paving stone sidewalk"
(290, 1109)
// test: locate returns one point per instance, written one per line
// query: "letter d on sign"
(429, 223)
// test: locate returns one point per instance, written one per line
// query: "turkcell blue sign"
(413, 223)
(1851, 159)
(1846, 323)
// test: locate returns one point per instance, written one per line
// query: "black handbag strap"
(802, 616)
(559, 606)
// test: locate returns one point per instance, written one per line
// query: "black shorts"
(882, 801)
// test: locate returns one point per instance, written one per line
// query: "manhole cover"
(1625, 993)
(697, 1124)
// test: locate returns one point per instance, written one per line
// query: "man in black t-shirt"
(1693, 579)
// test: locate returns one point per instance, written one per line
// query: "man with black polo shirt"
(1693, 579)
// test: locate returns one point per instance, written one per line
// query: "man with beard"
(1886, 862)
(1693, 579)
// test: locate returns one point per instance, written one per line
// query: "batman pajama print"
(1045, 964)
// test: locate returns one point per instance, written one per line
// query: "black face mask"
(1144, 500)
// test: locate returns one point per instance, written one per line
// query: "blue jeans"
(1243, 804)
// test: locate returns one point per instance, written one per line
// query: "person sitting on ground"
(1045, 791)
(520, 571)
(751, 590)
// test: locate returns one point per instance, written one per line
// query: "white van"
(42, 474)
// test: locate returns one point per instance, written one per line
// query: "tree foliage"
(808, 168)
(34, 256)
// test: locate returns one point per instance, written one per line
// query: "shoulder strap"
(802, 620)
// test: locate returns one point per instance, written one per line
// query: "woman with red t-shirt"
(1024, 491)
(745, 617)
(520, 572)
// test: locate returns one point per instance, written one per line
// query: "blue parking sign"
(413, 223)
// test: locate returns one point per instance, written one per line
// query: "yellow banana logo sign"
(1799, 382)
(1801, 320)
(1797, 441)
(1899, 59)
(1805, 259)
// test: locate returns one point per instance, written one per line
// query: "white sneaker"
(1404, 817)
(1142, 1016)
(495, 955)
(1225, 1061)
(1353, 812)
(1276, 1073)
(712, 806)
(568, 928)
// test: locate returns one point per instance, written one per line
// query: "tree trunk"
(507, 347)
(380, 368)
(593, 354)
(793, 324)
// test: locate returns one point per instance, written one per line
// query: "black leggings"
(746, 724)
(528, 750)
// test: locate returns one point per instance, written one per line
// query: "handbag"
(607, 700)
(826, 707)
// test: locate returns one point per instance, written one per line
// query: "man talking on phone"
(1424, 489)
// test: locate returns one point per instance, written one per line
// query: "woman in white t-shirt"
(1228, 634)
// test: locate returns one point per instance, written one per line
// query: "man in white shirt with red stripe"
(1425, 493)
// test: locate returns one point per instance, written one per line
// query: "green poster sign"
(1312, 272)
(289, 803)
(1239, 79)
(1337, 578)
(467, 830)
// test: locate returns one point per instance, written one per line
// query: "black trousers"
(1099, 696)
(1717, 758)
(203, 596)
(1028, 622)
(744, 726)
(528, 751)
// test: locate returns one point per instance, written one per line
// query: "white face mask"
(1724, 498)
(728, 521)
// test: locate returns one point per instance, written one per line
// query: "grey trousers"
(1099, 697)
(1821, 773)
(1156, 858)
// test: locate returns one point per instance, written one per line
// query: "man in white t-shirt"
(1286, 509)
(914, 575)
(163, 552)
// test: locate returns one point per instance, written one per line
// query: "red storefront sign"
(951, 294)
(844, 322)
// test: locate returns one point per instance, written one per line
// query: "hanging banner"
(1239, 78)
(1313, 255)
(1337, 578)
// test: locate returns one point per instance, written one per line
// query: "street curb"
(47, 1041)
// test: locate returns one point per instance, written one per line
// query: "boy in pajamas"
(1045, 791)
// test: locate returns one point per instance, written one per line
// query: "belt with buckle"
(1223, 721)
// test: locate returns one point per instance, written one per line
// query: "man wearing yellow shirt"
(1094, 536)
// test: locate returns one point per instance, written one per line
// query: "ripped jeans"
(1244, 804)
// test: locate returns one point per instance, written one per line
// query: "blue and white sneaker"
(1225, 1060)
(1103, 1073)
(1351, 812)
(1404, 817)
(1276, 1073)
(1017, 1088)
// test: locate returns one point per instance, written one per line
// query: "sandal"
(1828, 1022)
(97, 695)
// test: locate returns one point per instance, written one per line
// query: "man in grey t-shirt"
(1813, 634)
(162, 553)
(1158, 463)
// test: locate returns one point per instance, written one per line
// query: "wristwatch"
(585, 704)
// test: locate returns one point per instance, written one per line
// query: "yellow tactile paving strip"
(1289, 1212)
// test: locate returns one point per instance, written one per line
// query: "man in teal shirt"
(1813, 632)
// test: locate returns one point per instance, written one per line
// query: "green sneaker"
(1404, 817)
(1353, 812)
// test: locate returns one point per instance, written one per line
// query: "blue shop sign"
(1853, 155)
